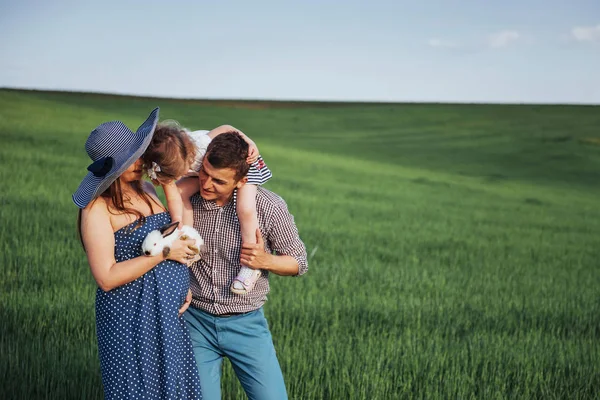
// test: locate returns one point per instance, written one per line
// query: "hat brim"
(93, 186)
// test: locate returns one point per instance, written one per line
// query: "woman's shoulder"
(97, 212)
(102, 207)
(99, 205)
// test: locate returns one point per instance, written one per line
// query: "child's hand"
(252, 153)
(252, 148)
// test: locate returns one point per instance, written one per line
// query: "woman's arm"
(98, 239)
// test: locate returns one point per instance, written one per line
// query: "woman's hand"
(181, 252)
(186, 304)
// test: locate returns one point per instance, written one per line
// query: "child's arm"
(246, 211)
(252, 149)
(213, 133)
(174, 202)
(187, 188)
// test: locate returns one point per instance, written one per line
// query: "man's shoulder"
(196, 198)
(266, 198)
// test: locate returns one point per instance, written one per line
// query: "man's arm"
(254, 256)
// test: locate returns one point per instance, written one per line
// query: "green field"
(454, 248)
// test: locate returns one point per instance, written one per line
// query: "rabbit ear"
(167, 229)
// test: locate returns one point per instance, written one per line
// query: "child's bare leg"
(246, 211)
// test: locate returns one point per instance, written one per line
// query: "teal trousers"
(246, 341)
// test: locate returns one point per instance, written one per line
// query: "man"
(221, 323)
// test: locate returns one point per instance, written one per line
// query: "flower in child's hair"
(153, 170)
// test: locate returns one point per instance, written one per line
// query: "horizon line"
(296, 101)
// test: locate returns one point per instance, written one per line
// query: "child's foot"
(245, 280)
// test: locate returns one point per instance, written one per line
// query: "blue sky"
(540, 51)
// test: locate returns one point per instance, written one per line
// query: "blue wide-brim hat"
(113, 147)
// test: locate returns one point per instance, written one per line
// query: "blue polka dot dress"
(145, 348)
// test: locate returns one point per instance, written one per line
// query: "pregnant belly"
(173, 281)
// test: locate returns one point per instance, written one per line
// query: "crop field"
(454, 249)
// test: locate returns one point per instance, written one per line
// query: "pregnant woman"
(144, 346)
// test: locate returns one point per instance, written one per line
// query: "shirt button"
(216, 251)
(217, 230)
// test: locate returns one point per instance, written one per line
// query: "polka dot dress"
(145, 348)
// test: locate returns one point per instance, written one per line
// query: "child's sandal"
(244, 282)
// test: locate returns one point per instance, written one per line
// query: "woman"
(144, 347)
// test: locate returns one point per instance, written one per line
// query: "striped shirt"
(212, 275)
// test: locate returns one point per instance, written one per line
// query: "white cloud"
(442, 43)
(586, 33)
(503, 39)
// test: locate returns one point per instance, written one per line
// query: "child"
(174, 152)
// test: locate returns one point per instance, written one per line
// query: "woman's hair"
(171, 149)
(117, 204)
(229, 150)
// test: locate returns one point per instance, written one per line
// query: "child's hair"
(171, 149)
(229, 150)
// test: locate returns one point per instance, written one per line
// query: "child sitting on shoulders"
(175, 152)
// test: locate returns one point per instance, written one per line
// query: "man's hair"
(229, 150)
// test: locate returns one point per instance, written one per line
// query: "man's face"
(218, 184)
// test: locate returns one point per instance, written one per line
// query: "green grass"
(454, 247)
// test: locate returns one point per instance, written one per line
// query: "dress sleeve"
(201, 141)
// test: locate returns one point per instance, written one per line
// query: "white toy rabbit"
(162, 239)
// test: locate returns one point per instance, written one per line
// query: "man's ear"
(241, 182)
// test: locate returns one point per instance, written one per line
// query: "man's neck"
(223, 203)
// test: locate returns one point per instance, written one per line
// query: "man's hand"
(188, 301)
(254, 255)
